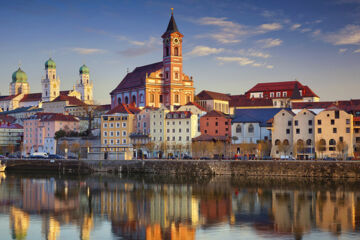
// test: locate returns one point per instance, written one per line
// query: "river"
(38, 206)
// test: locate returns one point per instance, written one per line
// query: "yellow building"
(334, 133)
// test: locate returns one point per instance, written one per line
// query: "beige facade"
(303, 132)
(215, 104)
(332, 127)
(116, 129)
(282, 134)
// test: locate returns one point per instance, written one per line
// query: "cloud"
(295, 26)
(349, 35)
(270, 42)
(204, 51)
(87, 51)
(253, 53)
(342, 50)
(141, 48)
(242, 61)
(271, 26)
(269, 66)
(357, 51)
(221, 22)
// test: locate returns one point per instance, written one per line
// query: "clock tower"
(172, 62)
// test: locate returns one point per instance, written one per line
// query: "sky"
(228, 46)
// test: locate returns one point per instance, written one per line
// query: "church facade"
(158, 84)
(19, 89)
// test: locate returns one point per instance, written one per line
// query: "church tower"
(85, 87)
(50, 84)
(19, 84)
(172, 62)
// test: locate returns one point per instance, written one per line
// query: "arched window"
(286, 142)
(309, 142)
(332, 145)
(176, 98)
(54, 76)
(134, 99)
(119, 100)
(167, 51)
(152, 98)
(126, 100)
(277, 142)
(332, 142)
(176, 51)
(238, 128)
(141, 98)
(251, 128)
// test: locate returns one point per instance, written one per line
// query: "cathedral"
(161, 83)
(19, 90)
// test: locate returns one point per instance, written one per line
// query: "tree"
(219, 148)
(320, 146)
(75, 148)
(59, 134)
(342, 148)
(196, 149)
(150, 146)
(299, 147)
(64, 145)
(357, 149)
(264, 148)
(163, 147)
(90, 111)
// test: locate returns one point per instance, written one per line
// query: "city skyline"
(239, 44)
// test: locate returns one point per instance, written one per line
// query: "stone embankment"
(268, 168)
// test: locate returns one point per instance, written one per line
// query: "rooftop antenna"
(19, 64)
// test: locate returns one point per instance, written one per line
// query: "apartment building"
(303, 132)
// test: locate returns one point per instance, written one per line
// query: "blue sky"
(229, 46)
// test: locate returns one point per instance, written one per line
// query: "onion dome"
(50, 64)
(19, 76)
(84, 69)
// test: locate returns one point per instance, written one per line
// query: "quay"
(191, 168)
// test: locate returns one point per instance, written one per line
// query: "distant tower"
(85, 87)
(50, 84)
(19, 83)
(172, 60)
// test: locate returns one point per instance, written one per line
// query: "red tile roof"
(137, 77)
(215, 113)
(243, 101)
(178, 114)
(6, 118)
(11, 126)
(71, 100)
(209, 95)
(9, 97)
(123, 108)
(32, 97)
(281, 86)
(346, 105)
(50, 117)
(196, 105)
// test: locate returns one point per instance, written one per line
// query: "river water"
(152, 207)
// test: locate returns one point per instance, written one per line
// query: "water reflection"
(129, 208)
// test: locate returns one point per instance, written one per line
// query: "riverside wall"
(259, 168)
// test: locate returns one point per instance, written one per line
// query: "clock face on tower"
(176, 41)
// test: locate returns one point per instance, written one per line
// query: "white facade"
(157, 124)
(249, 132)
(282, 134)
(50, 85)
(85, 88)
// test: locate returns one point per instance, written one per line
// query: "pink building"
(39, 131)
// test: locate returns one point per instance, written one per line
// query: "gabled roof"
(214, 113)
(209, 95)
(50, 117)
(243, 101)
(137, 77)
(71, 100)
(196, 105)
(259, 115)
(123, 108)
(32, 97)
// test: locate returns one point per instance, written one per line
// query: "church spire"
(172, 27)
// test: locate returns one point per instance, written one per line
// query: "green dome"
(50, 64)
(84, 69)
(19, 76)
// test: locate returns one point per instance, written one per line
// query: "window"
(296, 122)
(124, 133)
(271, 94)
(337, 114)
(238, 128)
(347, 121)
(332, 121)
(168, 130)
(187, 130)
(117, 133)
(176, 51)
(284, 94)
(111, 125)
(176, 98)
(176, 75)
(111, 134)
(179, 138)
(319, 130)
(298, 131)
(105, 141)
(126, 100)
(105, 134)
(124, 124)
(187, 138)
(167, 75)
(319, 122)
(167, 51)
(251, 128)
(289, 123)
(179, 130)
(117, 125)
(310, 122)
(216, 131)
(334, 130)
(161, 98)
(173, 138)
(278, 94)
(105, 125)
(287, 131)
(347, 130)
(152, 98)
(124, 141)
(168, 138)
(141, 98)
(310, 131)
(308, 142)
(216, 124)
(173, 130)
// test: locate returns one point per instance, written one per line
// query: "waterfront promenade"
(270, 168)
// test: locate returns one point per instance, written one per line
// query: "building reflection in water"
(140, 210)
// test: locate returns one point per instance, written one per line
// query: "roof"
(259, 115)
(8, 97)
(196, 105)
(137, 77)
(123, 108)
(351, 105)
(243, 101)
(207, 137)
(11, 126)
(49, 117)
(71, 100)
(178, 115)
(209, 95)
(32, 97)
(214, 113)
(296, 93)
(6, 118)
(172, 27)
(280, 86)
(22, 109)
